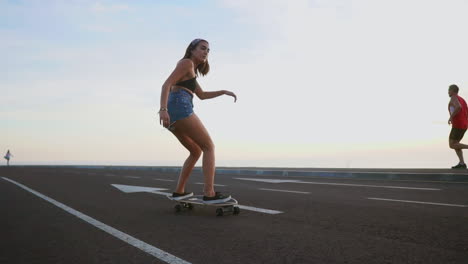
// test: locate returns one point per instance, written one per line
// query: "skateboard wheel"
(190, 206)
(219, 212)
(236, 210)
(178, 208)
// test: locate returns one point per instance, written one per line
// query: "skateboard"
(230, 206)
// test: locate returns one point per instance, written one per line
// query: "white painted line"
(364, 172)
(261, 210)
(337, 184)
(358, 179)
(201, 183)
(162, 180)
(393, 173)
(417, 202)
(288, 191)
(133, 188)
(161, 193)
(268, 180)
(132, 177)
(155, 190)
(374, 186)
(156, 252)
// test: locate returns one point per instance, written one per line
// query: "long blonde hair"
(202, 68)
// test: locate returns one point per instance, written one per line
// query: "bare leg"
(193, 128)
(195, 153)
(457, 146)
(460, 155)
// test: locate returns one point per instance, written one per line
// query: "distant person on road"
(7, 157)
(176, 114)
(458, 111)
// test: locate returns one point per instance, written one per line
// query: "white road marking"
(201, 183)
(417, 202)
(267, 180)
(288, 191)
(375, 186)
(260, 210)
(362, 172)
(338, 184)
(154, 251)
(132, 189)
(369, 179)
(132, 177)
(162, 180)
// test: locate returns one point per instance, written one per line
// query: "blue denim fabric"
(179, 105)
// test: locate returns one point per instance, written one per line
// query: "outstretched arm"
(212, 94)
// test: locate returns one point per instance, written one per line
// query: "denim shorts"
(179, 105)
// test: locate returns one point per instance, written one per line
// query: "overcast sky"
(325, 83)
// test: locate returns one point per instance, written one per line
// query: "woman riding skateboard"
(176, 114)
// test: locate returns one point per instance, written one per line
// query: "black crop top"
(190, 84)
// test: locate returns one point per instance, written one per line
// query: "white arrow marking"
(338, 184)
(132, 189)
(260, 210)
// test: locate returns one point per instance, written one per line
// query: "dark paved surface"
(326, 224)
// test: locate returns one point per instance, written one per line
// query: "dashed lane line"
(278, 190)
(375, 186)
(337, 184)
(163, 180)
(416, 202)
(219, 185)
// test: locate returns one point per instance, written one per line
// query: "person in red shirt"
(459, 120)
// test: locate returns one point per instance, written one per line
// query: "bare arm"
(212, 94)
(456, 105)
(184, 67)
(456, 108)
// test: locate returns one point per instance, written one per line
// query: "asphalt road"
(69, 215)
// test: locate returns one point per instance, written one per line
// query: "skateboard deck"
(230, 206)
